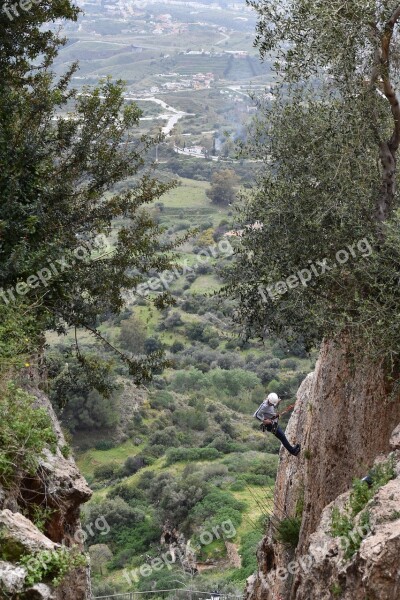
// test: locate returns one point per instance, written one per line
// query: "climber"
(269, 417)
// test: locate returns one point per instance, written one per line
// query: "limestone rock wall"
(345, 414)
(58, 486)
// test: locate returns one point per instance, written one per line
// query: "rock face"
(178, 548)
(373, 572)
(60, 489)
(344, 417)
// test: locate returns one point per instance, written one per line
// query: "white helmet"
(273, 399)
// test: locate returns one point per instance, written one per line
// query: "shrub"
(177, 347)
(127, 492)
(166, 437)
(25, 431)
(216, 507)
(133, 464)
(190, 418)
(343, 524)
(151, 345)
(290, 363)
(106, 471)
(191, 454)
(162, 399)
(173, 320)
(288, 530)
(105, 445)
(132, 335)
(51, 565)
(116, 512)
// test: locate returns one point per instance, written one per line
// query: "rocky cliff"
(345, 417)
(57, 491)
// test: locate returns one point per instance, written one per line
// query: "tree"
(58, 181)
(81, 407)
(325, 259)
(133, 335)
(223, 187)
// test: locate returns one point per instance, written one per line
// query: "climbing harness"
(274, 422)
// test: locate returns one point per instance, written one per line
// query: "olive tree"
(324, 255)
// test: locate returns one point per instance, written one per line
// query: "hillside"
(191, 431)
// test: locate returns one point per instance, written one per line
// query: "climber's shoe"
(296, 450)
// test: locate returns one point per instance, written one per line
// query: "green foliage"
(18, 335)
(228, 382)
(191, 454)
(255, 463)
(40, 515)
(25, 431)
(71, 391)
(104, 472)
(162, 399)
(66, 159)
(118, 514)
(51, 565)
(216, 507)
(343, 524)
(314, 205)
(336, 590)
(190, 419)
(65, 451)
(248, 548)
(133, 335)
(223, 187)
(137, 537)
(288, 531)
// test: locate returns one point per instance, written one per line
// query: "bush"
(151, 345)
(133, 464)
(290, 363)
(129, 493)
(191, 419)
(162, 399)
(24, 433)
(191, 454)
(105, 445)
(343, 524)
(216, 507)
(132, 335)
(73, 389)
(173, 320)
(167, 437)
(103, 472)
(51, 565)
(177, 347)
(116, 512)
(288, 531)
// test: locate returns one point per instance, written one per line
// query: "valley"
(183, 456)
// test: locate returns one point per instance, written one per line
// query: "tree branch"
(388, 148)
(388, 88)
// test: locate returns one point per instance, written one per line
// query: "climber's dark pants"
(283, 439)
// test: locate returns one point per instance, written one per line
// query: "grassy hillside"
(183, 455)
(185, 451)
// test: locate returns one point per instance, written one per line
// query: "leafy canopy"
(62, 155)
(328, 141)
